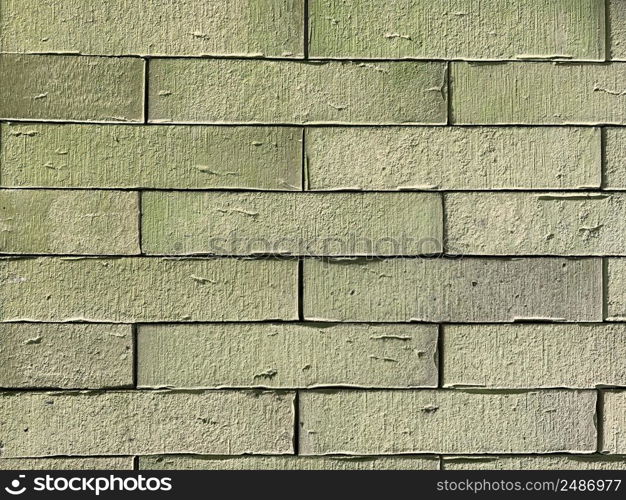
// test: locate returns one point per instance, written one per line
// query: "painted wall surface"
(313, 234)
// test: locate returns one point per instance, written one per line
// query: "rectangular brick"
(536, 224)
(397, 158)
(538, 93)
(226, 223)
(287, 355)
(48, 87)
(472, 290)
(177, 157)
(617, 34)
(69, 222)
(614, 422)
(66, 356)
(147, 289)
(431, 421)
(87, 463)
(160, 27)
(615, 284)
(181, 462)
(548, 462)
(615, 158)
(131, 423)
(534, 356)
(254, 91)
(458, 29)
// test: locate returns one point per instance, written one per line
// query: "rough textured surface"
(181, 462)
(69, 222)
(617, 21)
(66, 356)
(615, 158)
(287, 355)
(536, 223)
(157, 27)
(49, 155)
(554, 462)
(530, 356)
(147, 289)
(457, 29)
(614, 422)
(615, 293)
(387, 422)
(88, 463)
(538, 93)
(46, 87)
(471, 290)
(231, 91)
(132, 423)
(394, 158)
(292, 223)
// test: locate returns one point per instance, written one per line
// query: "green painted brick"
(396, 158)
(431, 421)
(158, 27)
(178, 157)
(287, 355)
(181, 462)
(48, 87)
(615, 293)
(455, 290)
(538, 93)
(548, 462)
(614, 422)
(615, 158)
(70, 356)
(458, 29)
(536, 223)
(255, 91)
(86, 463)
(69, 222)
(292, 223)
(147, 289)
(534, 356)
(132, 423)
(617, 34)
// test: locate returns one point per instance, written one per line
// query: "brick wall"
(313, 234)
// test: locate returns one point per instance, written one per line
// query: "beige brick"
(47, 87)
(287, 355)
(66, 356)
(534, 356)
(457, 29)
(254, 91)
(158, 27)
(87, 463)
(69, 222)
(147, 289)
(131, 423)
(617, 24)
(548, 462)
(614, 422)
(615, 293)
(474, 290)
(178, 462)
(292, 223)
(615, 158)
(43, 155)
(538, 93)
(395, 158)
(536, 223)
(430, 421)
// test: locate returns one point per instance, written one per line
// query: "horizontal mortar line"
(459, 455)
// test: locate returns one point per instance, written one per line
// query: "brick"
(538, 93)
(617, 34)
(177, 157)
(549, 462)
(48, 87)
(69, 222)
(395, 158)
(455, 290)
(179, 462)
(227, 223)
(534, 355)
(614, 422)
(287, 355)
(66, 356)
(254, 91)
(458, 29)
(536, 223)
(87, 463)
(431, 421)
(131, 423)
(147, 289)
(615, 296)
(159, 27)
(615, 158)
